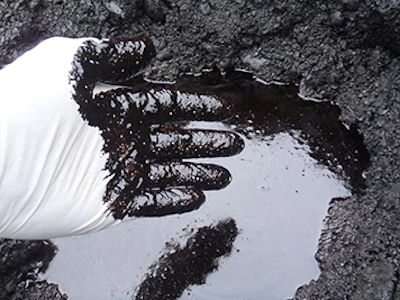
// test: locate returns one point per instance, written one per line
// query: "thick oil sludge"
(265, 110)
(31, 258)
(297, 157)
(184, 266)
(124, 117)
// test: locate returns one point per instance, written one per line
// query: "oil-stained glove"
(73, 160)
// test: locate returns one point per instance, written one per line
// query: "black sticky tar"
(145, 152)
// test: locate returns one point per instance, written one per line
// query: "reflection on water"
(297, 157)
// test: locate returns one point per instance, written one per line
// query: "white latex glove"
(72, 161)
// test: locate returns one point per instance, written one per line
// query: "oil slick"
(297, 157)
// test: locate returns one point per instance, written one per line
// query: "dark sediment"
(21, 262)
(181, 267)
(343, 51)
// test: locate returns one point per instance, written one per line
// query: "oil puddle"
(255, 239)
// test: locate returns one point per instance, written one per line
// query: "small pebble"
(205, 7)
(337, 18)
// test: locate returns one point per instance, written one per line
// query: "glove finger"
(112, 60)
(155, 203)
(199, 176)
(106, 61)
(193, 143)
(163, 106)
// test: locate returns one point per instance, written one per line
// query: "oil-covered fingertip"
(187, 174)
(168, 202)
(223, 179)
(119, 59)
(198, 198)
(140, 45)
(237, 145)
(149, 50)
(211, 177)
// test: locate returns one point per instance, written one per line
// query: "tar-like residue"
(148, 177)
(265, 110)
(23, 261)
(182, 267)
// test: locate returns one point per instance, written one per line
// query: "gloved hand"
(74, 161)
